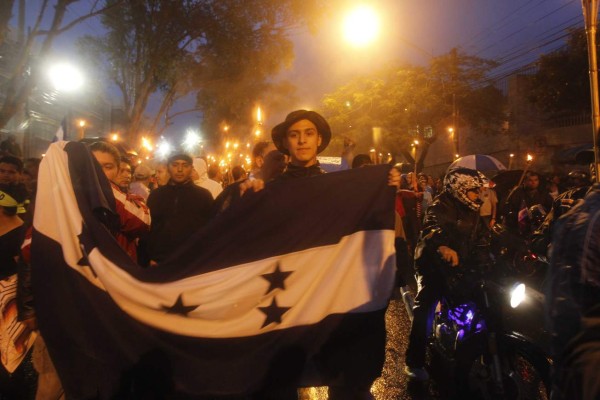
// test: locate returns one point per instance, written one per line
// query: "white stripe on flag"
(350, 276)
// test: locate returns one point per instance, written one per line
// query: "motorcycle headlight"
(517, 295)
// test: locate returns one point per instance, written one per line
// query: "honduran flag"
(288, 287)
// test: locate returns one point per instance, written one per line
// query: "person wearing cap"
(141, 184)
(302, 136)
(178, 209)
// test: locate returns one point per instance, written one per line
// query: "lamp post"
(590, 16)
(81, 129)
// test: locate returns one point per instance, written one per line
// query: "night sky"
(514, 32)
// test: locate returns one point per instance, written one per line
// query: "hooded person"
(203, 180)
(452, 229)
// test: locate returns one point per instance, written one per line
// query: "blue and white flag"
(288, 287)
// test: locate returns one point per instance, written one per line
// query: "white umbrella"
(480, 162)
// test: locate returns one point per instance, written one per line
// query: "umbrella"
(480, 162)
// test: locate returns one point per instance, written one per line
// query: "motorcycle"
(489, 362)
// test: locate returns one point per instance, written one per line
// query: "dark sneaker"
(418, 374)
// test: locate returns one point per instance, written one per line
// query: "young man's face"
(9, 174)
(124, 177)
(109, 165)
(180, 171)
(302, 141)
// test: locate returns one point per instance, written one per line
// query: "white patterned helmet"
(458, 181)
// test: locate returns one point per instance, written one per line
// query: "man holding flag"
(300, 301)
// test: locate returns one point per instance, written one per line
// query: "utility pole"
(590, 16)
(454, 73)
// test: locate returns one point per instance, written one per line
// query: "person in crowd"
(542, 237)
(31, 167)
(21, 383)
(238, 173)
(489, 208)
(411, 203)
(360, 160)
(259, 152)
(161, 175)
(427, 193)
(125, 174)
(141, 181)
(302, 136)
(451, 230)
(572, 290)
(11, 168)
(11, 147)
(134, 217)
(203, 179)
(215, 175)
(578, 178)
(178, 209)
(522, 198)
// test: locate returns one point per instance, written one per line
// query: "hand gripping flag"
(288, 287)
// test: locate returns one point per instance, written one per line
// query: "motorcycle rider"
(452, 228)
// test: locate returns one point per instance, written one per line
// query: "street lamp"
(66, 78)
(361, 26)
(81, 124)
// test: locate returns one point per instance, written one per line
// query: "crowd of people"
(438, 221)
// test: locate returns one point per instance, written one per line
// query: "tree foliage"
(24, 64)
(561, 85)
(400, 99)
(221, 50)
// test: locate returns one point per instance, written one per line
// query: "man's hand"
(394, 178)
(255, 185)
(30, 323)
(448, 255)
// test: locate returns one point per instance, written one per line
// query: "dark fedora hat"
(279, 131)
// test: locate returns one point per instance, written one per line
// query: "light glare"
(361, 26)
(65, 77)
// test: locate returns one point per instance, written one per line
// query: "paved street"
(392, 385)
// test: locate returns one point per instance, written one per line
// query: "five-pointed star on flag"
(85, 240)
(276, 279)
(273, 312)
(179, 307)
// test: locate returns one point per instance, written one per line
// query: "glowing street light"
(361, 26)
(65, 77)
(192, 140)
(258, 115)
(163, 150)
(146, 144)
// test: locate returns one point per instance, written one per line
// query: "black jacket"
(176, 211)
(449, 223)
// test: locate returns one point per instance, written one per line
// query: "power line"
(489, 30)
(526, 27)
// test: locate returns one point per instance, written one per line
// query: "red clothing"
(134, 217)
